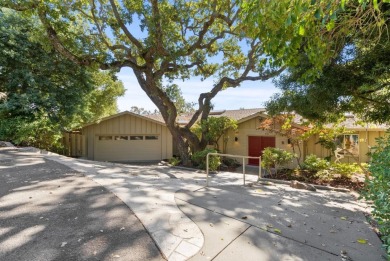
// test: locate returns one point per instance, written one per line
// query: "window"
(105, 137)
(136, 137)
(121, 137)
(350, 143)
(151, 137)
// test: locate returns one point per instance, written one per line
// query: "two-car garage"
(127, 137)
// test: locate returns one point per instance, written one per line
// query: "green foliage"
(318, 29)
(275, 157)
(327, 135)
(214, 127)
(339, 170)
(230, 162)
(378, 187)
(174, 161)
(346, 169)
(199, 159)
(45, 93)
(313, 163)
(337, 57)
(175, 94)
(356, 81)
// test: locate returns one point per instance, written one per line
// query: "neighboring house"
(127, 137)
(123, 137)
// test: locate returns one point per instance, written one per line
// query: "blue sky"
(248, 95)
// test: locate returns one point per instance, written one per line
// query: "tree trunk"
(182, 148)
(183, 137)
(185, 141)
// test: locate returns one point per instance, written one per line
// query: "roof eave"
(121, 114)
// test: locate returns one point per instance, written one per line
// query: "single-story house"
(123, 137)
(127, 137)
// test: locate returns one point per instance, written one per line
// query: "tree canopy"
(43, 92)
(358, 82)
(342, 63)
(318, 29)
(161, 41)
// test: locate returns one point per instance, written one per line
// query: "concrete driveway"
(231, 222)
(50, 212)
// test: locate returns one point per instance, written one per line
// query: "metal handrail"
(232, 156)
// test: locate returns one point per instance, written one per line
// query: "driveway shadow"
(278, 222)
(50, 212)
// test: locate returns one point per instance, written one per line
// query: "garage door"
(127, 147)
(256, 145)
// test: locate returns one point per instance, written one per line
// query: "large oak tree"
(160, 41)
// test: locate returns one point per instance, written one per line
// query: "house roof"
(351, 122)
(126, 113)
(238, 115)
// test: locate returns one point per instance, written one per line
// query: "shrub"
(345, 169)
(274, 157)
(325, 174)
(199, 158)
(174, 161)
(230, 162)
(378, 187)
(315, 164)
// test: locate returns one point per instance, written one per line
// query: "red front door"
(256, 145)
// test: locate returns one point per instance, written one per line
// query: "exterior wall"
(366, 140)
(72, 142)
(246, 129)
(126, 124)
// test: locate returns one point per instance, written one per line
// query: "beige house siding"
(127, 150)
(366, 140)
(246, 129)
(72, 142)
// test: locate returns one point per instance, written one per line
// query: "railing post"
(207, 169)
(243, 168)
(259, 169)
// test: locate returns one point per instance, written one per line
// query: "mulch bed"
(356, 182)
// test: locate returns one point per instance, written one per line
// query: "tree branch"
(124, 28)
(52, 34)
(159, 34)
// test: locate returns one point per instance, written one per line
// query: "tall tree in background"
(43, 92)
(162, 41)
